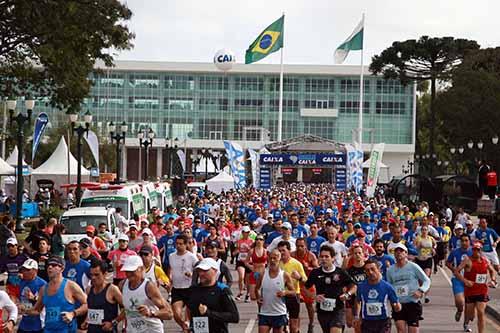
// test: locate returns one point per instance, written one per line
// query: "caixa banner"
(327, 159)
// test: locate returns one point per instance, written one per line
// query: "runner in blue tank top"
(58, 298)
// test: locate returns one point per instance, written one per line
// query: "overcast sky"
(193, 30)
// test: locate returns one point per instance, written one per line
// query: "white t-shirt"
(274, 244)
(340, 251)
(7, 304)
(180, 264)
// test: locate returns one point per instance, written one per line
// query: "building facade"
(201, 106)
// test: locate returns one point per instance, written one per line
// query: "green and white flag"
(374, 170)
(353, 43)
(269, 41)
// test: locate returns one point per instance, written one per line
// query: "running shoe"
(467, 328)
(247, 298)
(458, 315)
(238, 298)
(310, 328)
(427, 300)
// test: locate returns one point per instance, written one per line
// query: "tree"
(49, 47)
(425, 59)
(469, 107)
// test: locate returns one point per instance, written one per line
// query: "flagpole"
(280, 103)
(361, 87)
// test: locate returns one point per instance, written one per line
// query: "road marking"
(490, 321)
(250, 326)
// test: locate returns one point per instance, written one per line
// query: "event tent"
(55, 167)
(223, 181)
(12, 159)
(6, 169)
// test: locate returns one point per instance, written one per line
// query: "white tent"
(383, 177)
(200, 168)
(223, 181)
(55, 167)
(12, 159)
(6, 169)
(366, 164)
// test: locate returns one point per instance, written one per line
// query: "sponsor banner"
(303, 159)
(340, 179)
(236, 159)
(40, 125)
(374, 170)
(254, 161)
(265, 178)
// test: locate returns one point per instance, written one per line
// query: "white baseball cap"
(132, 263)
(207, 264)
(400, 246)
(12, 241)
(147, 231)
(246, 229)
(458, 226)
(30, 264)
(123, 237)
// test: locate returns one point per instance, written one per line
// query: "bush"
(50, 212)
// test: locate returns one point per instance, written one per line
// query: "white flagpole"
(280, 103)
(361, 87)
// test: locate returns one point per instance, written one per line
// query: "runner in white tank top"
(271, 304)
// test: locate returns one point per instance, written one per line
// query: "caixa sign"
(328, 159)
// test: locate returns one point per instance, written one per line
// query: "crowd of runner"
(353, 261)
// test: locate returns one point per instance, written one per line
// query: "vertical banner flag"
(93, 143)
(353, 43)
(354, 167)
(254, 160)
(374, 170)
(182, 158)
(236, 159)
(40, 124)
(269, 41)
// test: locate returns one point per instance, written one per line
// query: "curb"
(493, 313)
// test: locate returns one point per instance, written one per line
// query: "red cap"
(90, 228)
(360, 233)
(477, 245)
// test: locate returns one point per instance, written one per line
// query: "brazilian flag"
(269, 41)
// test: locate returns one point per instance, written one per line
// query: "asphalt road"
(438, 314)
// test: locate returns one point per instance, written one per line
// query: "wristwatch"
(153, 314)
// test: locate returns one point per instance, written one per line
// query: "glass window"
(353, 107)
(213, 104)
(390, 87)
(213, 83)
(110, 101)
(179, 82)
(352, 86)
(144, 81)
(179, 103)
(144, 103)
(319, 85)
(289, 84)
(113, 81)
(289, 105)
(390, 108)
(249, 84)
(248, 104)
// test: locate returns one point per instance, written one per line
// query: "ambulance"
(130, 198)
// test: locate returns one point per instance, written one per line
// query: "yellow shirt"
(346, 234)
(294, 265)
(446, 238)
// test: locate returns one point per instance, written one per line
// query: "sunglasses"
(143, 254)
(54, 265)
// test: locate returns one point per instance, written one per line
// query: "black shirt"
(357, 273)
(42, 259)
(220, 303)
(330, 284)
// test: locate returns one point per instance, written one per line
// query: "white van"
(76, 220)
(129, 197)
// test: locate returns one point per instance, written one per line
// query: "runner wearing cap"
(182, 263)
(452, 262)
(148, 239)
(476, 269)
(117, 258)
(96, 242)
(134, 240)
(371, 301)
(30, 287)
(145, 308)
(411, 283)
(211, 305)
(489, 238)
(11, 263)
(103, 300)
(286, 235)
(223, 271)
(87, 253)
(152, 271)
(7, 304)
(458, 231)
(243, 246)
(62, 299)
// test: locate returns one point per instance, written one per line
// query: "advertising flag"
(355, 167)
(40, 124)
(353, 43)
(254, 160)
(269, 41)
(93, 143)
(236, 159)
(374, 170)
(182, 159)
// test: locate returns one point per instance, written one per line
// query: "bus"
(129, 197)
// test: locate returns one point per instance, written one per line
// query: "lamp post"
(118, 137)
(446, 164)
(146, 140)
(21, 120)
(171, 146)
(195, 159)
(80, 128)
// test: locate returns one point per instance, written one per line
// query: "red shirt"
(117, 257)
(479, 276)
(187, 221)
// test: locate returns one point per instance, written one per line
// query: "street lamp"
(217, 156)
(207, 153)
(195, 159)
(171, 146)
(21, 120)
(470, 144)
(494, 139)
(146, 140)
(118, 137)
(80, 128)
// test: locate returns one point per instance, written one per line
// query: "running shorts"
(477, 299)
(457, 286)
(273, 321)
(181, 294)
(303, 296)
(376, 326)
(293, 306)
(335, 318)
(424, 264)
(411, 313)
(492, 257)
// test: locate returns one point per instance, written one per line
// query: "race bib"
(95, 316)
(138, 324)
(374, 309)
(27, 304)
(200, 325)
(53, 314)
(328, 304)
(242, 256)
(481, 278)
(402, 291)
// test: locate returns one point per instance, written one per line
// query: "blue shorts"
(457, 286)
(273, 321)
